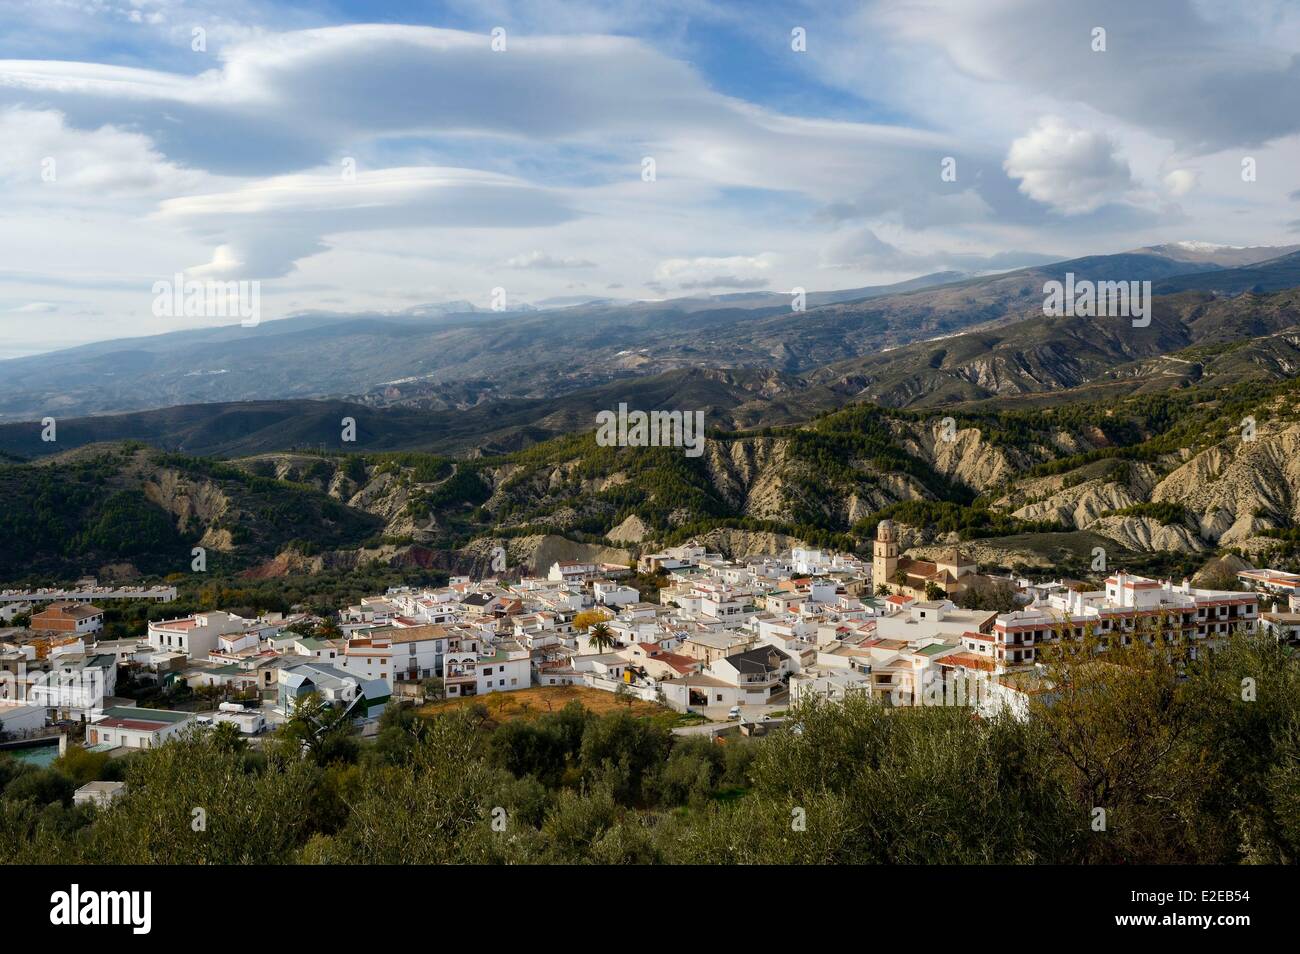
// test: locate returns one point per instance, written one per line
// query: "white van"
(733, 713)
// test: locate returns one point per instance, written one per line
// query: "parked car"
(733, 713)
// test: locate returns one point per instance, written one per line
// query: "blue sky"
(376, 157)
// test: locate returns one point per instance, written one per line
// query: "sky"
(357, 156)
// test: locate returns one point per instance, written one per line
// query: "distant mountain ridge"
(442, 360)
(1224, 256)
(1193, 338)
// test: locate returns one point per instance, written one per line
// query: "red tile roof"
(137, 724)
(967, 661)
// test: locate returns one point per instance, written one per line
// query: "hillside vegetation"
(133, 510)
(1184, 769)
(1173, 472)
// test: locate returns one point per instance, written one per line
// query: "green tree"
(433, 688)
(322, 729)
(80, 765)
(620, 750)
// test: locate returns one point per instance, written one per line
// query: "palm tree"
(600, 637)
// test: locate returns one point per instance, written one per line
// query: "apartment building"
(417, 651)
(1128, 606)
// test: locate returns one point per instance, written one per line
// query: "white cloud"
(289, 101)
(864, 249)
(283, 103)
(478, 169)
(735, 271)
(39, 150)
(540, 259)
(1200, 73)
(1072, 170)
(266, 226)
(1180, 182)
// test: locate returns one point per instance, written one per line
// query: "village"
(732, 643)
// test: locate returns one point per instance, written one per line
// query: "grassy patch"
(537, 701)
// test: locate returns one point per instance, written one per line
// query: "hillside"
(120, 510)
(747, 396)
(452, 361)
(1194, 339)
(1167, 474)
(1192, 336)
(1131, 475)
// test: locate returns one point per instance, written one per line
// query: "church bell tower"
(884, 563)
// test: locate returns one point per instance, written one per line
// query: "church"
(952, 572)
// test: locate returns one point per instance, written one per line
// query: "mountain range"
(1062, 434)
(436, 360)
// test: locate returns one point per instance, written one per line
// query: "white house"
(699, 689)
(417, 651)
(368, 658)
(508, 666)
(673, 558)
(247, 721)
(609, 593)
(68, 619)
(135, 728)
(757, 673)
(607, 666)
(572, 572)
(828, 683)
(20, 719)
(75, 686)
(540, 630)
(368, 697)
(1282, 626)
(101, 794)
(196, 636)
